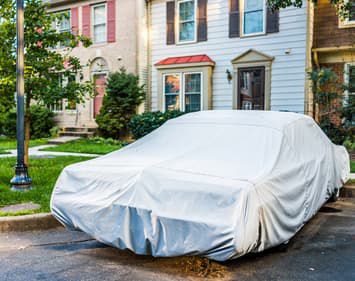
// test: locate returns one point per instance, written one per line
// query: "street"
(323, 250)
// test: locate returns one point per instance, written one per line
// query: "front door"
(100, 83)
(251, 90)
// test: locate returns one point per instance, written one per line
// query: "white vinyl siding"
(288, 71)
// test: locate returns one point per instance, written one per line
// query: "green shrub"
(9, 124)
(41, 122)
(54, 132)
(143, 124)
(123, 96)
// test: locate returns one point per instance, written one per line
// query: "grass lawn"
(92, 146)
(7, 144)
(44, 173)
(352, 166)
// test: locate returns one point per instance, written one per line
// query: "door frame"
(239, 96)
(93, 74)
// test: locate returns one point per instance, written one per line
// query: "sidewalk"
(35, 152)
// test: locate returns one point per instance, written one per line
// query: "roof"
(185, 60)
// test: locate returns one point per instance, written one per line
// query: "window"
(349, 21)
(62, 24)
(67, 104)
(172, 91)
(253, 17)
(192, 83)
(186, 21)
(99, 23)
(183, 91)
(349, 80)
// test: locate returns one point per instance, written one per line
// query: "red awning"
(185, 59)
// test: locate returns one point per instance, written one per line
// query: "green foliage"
(54, 132)
(41, 122)
(9, 124)
(44, 173)
(92, 145)
(143, 124)
(123, 96)
(328, 97)
(343, 7)
(45, 67)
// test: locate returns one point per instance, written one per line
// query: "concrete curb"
(27, 223)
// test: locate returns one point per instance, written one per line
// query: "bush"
(9, 124)
(41, 122)
(143, 124)
(123, 96)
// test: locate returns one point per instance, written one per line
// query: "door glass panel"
(251, 89)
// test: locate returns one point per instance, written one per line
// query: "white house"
(219, 54)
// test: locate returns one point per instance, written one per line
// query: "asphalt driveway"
(323, 250)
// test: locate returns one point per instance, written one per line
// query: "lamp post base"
(21, 181)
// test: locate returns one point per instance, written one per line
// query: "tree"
(45, 66)
(123, 96)
(343, 7)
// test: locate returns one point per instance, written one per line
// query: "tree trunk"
(27, 130)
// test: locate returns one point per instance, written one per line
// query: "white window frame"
(347, 80)
(241, 7)
(346, 23)
(164, 94)
(56, 23)
(182, 96)
(93, 23)
(177, 23)
(183, 106)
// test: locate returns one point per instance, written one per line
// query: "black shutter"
(202, 21)
(234, 16)
(170, 23)
(272, 21)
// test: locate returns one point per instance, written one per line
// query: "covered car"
(218, 184)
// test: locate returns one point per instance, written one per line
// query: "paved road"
(323, 250)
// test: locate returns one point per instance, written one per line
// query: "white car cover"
(215, 183)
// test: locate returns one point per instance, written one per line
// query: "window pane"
(187, 10)
(187, 31)
(172, 92)
(172, 102)
(253, 22)
(172, 84)
(352, 79)
(64, 22)
(192, 103)
(100, 33)
(193, 83)
(99, 15)
(253, 5)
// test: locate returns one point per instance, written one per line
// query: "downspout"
(148, 103)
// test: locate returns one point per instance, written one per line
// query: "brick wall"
(326, 27)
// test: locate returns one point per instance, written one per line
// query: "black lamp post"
(21, 181)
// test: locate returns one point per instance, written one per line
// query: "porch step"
(76, 134)
(82, 132)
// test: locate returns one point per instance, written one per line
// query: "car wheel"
(335, 196)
